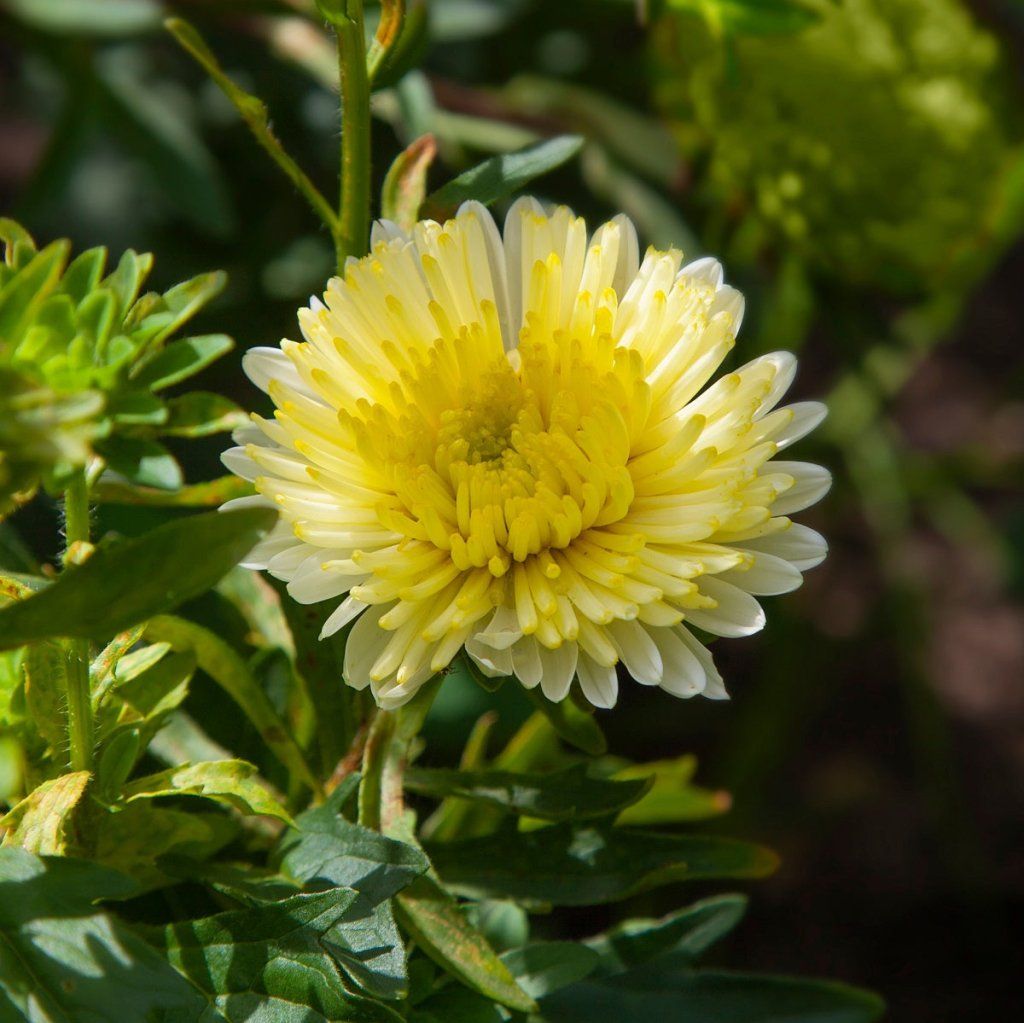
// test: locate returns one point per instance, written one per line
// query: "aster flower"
(507, 444)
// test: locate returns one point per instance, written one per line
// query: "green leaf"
(43, 822)
(229, 671)
(502, 175)
(751, 17)
(673, 798)
(567, 865)
(133, 837)
(63, 960)
(685, 934)
(46, 683)
(326, 850)
(272, 963)
(125, 17)
(130, 580)
(572, 724)
(405, 184)
(198, 495)
(560, 795)
(710, 997)
(441, 929)
(547, 966)
(200, 414)
(142, 462)
(26, 292)
(231, 782)
(181, 359)
(137, 408)
(457, 1005)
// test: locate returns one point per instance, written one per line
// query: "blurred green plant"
(815, 141)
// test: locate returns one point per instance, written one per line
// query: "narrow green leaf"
(181, 359)
(751, 17)
(46, 684)
(441, 929)
(685, 935)
(672, 798)
(137, 408)
(230, 672)
(26, 292)
(129, 581)
(568, 865)
(405, 185)
(63, 960)
(502, 175)
(232, 782)
(711, 997)
(560, 795)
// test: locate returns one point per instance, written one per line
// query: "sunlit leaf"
(43, 821)
(130, 580)
(405, 185)
(182, 359)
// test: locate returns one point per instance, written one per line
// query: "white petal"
(812, 484)
(807, 416)
(348, 609)
(785, 371)
(322, 584)
(683, 674)
(286, 564)
(249, 501)
(732, 303)
(558, 667)
(707, 268)
(638, 651)
(266, 365)
(502, 630)
(714, 687)
(798, 544)
(498, 267)
(768, 576)
(600, 685)
(526, 661)
(386, 231)
(493, 663)
(237, 461)
(737, 614)
(365, 644)
(513, 239)
(627, 263)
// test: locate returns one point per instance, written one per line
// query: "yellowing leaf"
(43, 822)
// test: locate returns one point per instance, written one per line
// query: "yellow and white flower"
(506, 443)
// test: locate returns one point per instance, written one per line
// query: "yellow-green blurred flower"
(869, 142)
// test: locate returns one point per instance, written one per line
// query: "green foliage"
(820, 133)
(82, 353)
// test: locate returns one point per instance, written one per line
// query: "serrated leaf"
(67, 961)
(234, 783)
(711, 997)
(181, 359)
(560, 795)
(502, 175)
(570, 865)
(326, 850)
(129, 581)
(270, 962)
(685, 935)
(43, 821)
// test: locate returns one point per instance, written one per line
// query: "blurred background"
(858, 165)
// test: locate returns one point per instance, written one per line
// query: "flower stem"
(79, 705)
(354, 205)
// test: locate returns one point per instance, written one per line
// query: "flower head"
(507, 444)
